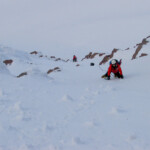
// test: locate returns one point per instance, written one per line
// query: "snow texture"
(73, 109)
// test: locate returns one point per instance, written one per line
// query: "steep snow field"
(73, 109)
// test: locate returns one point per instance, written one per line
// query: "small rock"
(8, 62)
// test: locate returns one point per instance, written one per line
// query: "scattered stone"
(52, 57)
(143, 54)
(49, 71)
(56, 68)
(140, 45)
(148, 37)
(22, 74)
(8, 62)
(57, 59)
(52, 70)
(34, 52)
(92, 55)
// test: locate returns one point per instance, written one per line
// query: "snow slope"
(73, 109)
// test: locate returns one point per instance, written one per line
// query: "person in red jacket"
(115, 68)
(74, 58)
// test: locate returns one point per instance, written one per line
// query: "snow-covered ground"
(74, 109)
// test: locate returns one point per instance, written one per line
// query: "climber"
(74, 58)
(114, 67)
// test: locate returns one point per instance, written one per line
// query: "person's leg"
(117, 74)
(105, 75)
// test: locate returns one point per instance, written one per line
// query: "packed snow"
(74, 108)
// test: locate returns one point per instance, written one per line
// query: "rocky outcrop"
(34, 52)
(22, 74)
(52, 57)
(57, 59)
(8, 62)
(101, 54)
(52, 70)
(108, 57)
(139, 47)
(148, 37)
(92, 55)
(49, 71)
(56, 68)
(143, 54)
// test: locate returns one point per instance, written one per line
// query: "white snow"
(73, 109)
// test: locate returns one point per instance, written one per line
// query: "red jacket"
(114, 70)
(74, 57)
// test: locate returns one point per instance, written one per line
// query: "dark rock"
(143, 54)
(56, 68)
(34, 52)
(57, 59)
(8, 62)
(140, 45)
(22, 74)
(108, 57)
(49, 71)
(52, 57)
(52, 70)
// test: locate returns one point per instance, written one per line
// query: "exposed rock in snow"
(34, 52)
(92, 55)
(108, 57)
(22, 74)
(8, 62)
(139, 47)
(143, 54)
(52, 70)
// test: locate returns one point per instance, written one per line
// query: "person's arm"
(109, 71)
(120, 71)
